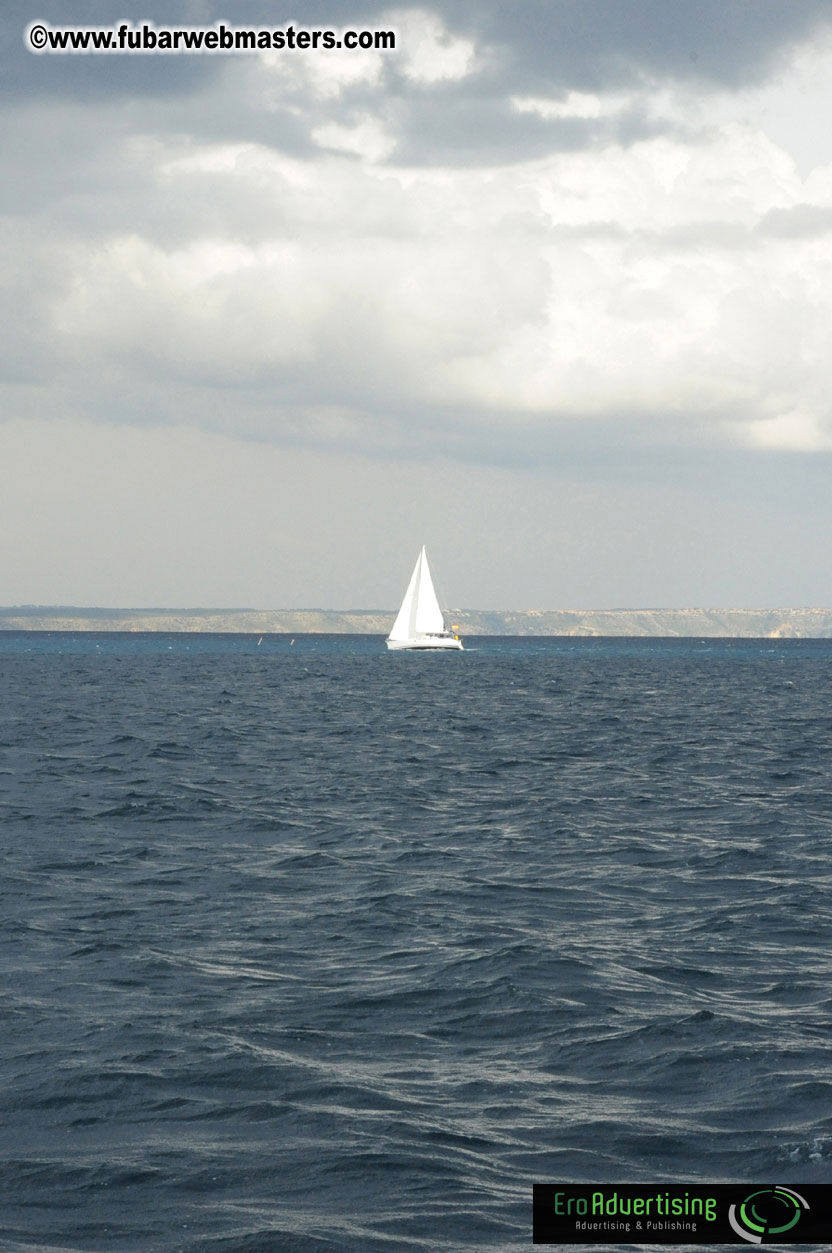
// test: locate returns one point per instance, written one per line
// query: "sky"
(547, 288)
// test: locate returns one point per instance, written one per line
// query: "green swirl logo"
(767, 1214)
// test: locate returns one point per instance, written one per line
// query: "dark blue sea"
(314, 947)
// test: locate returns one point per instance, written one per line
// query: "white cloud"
(427, 52)
(596, 284)
(577, 104)
(790, 432)
(286, 76)
(366, 138)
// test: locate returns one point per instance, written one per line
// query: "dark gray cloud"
(463, 128)
(544, 47)
(599, 44)
(87, 78)
(588, 44)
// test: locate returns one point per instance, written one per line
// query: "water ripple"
(334, 950)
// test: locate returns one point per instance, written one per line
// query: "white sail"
(405, 625)
(419, 622)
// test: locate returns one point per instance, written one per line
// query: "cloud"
(429, 53)
(803, 221)
(326, 77)
(290, 252)
(791, 432)
(377, 305)
(580, 104)
(270, 321)
(366, 137)
(611, 45)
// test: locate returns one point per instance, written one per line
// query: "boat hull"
(427, 643)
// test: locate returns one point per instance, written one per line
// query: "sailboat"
(420, 623)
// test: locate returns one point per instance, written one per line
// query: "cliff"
(765, 623)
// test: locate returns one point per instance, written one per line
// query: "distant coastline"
(731, 623)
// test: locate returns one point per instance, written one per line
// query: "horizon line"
(30, 608)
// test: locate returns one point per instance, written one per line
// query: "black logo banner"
(686, 1213)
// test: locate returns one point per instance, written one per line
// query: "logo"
(766, 1214)
(682, 1213)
